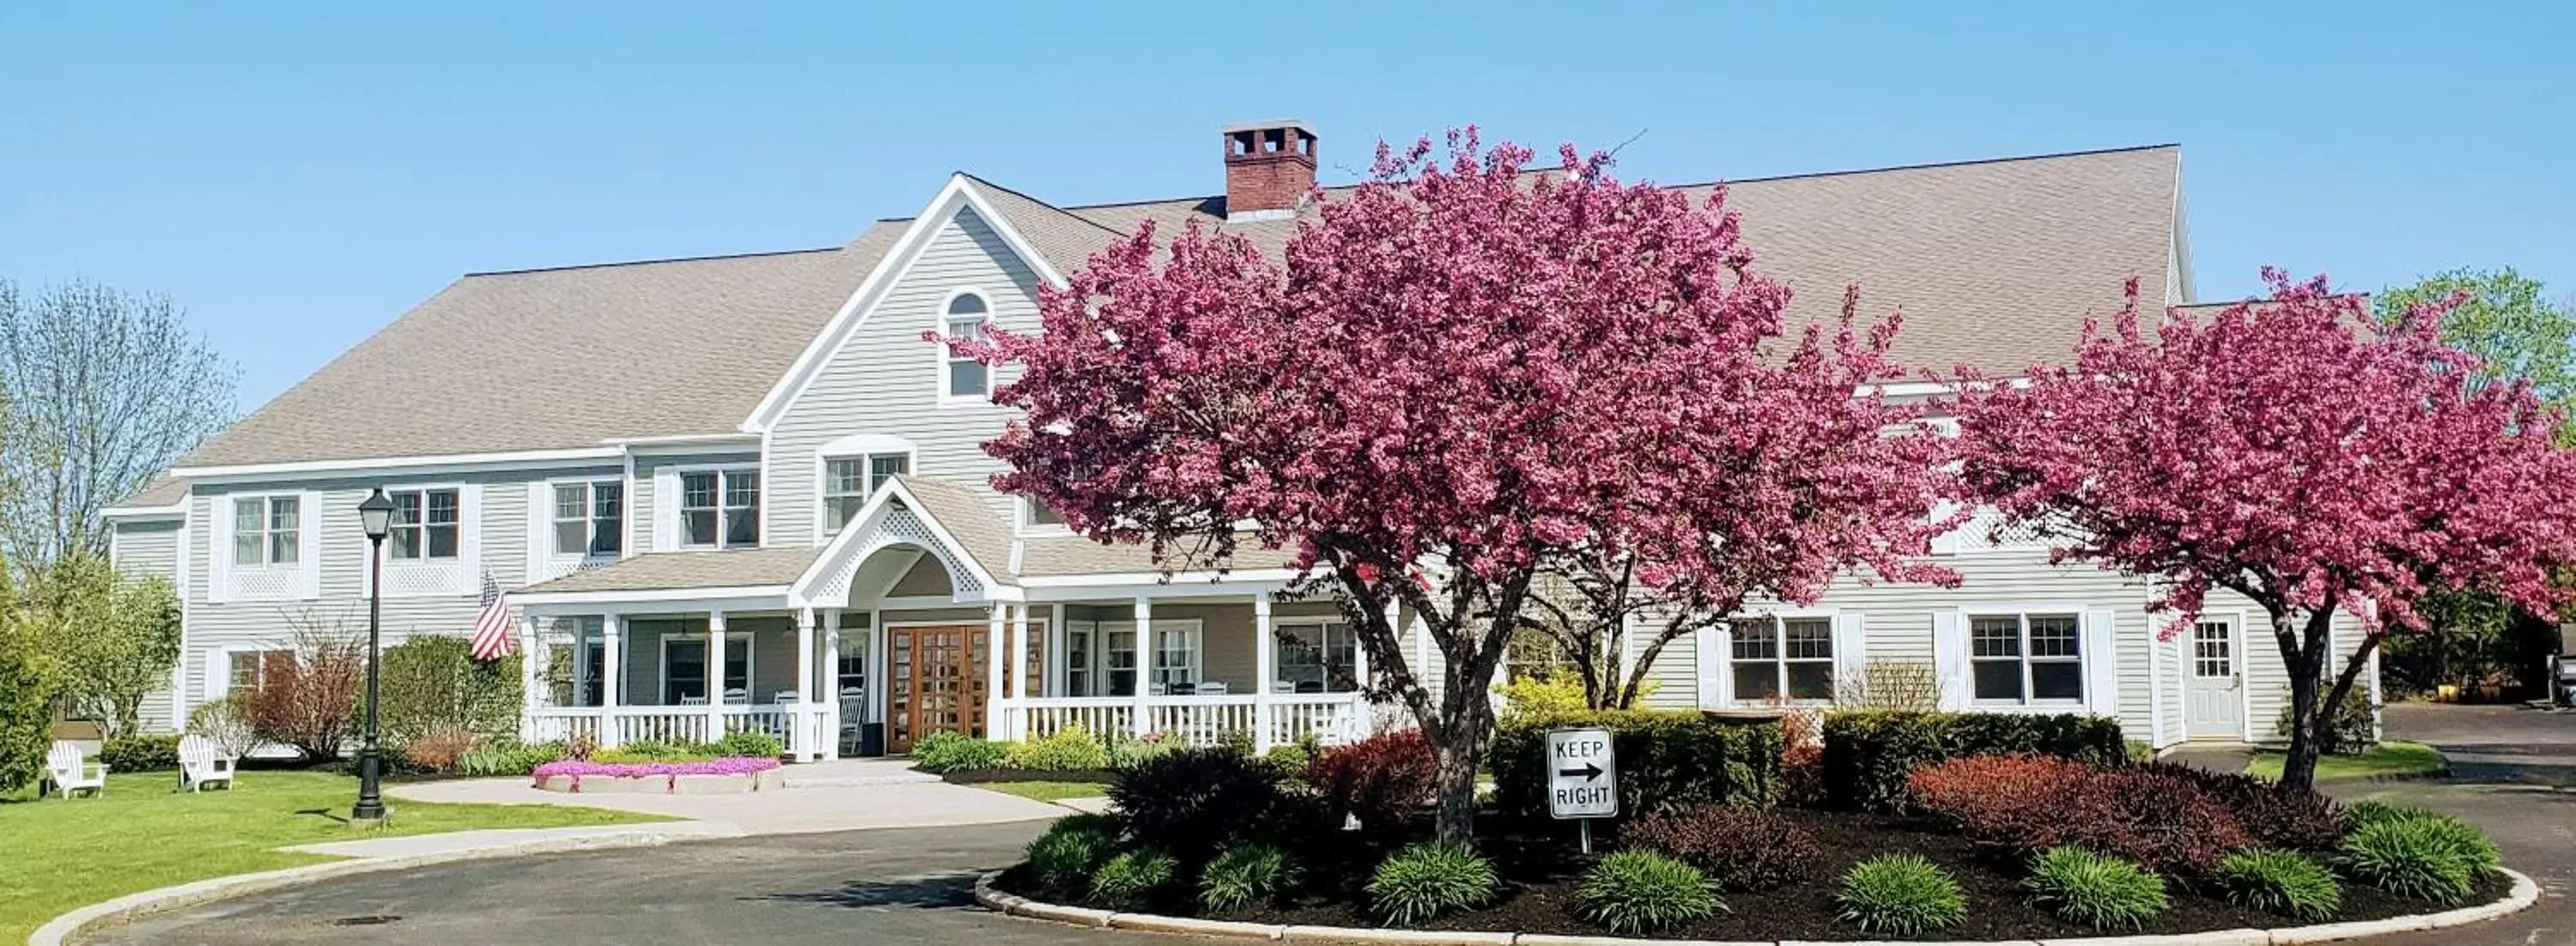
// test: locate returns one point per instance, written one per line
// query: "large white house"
(742, 491)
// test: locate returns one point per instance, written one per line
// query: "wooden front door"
(935, 683)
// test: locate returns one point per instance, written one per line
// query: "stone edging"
(2525, 892)
(61, 929)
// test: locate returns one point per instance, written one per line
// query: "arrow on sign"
(1591, 771)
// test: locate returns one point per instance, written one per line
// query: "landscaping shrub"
(1667, 760)
(1426, 881)
(1644, 892)
(2411, 857)
(1245, 875)
(749, 744)
(140, 754)
(2350, 729)
(2366, 813)
(508, 758)
(1194, 802)
(1133, 879)
(2024, 804)
(1741, 849)
(1071, 749)
(226, 723)
(1291, 759)
(1237, 741)
(308, 695)
(26, 699)
(439, 750)
(2275, 816)
(943, 752)
(432, 684)
(1063, 859)
(1900, 895)
(2096, 890)
(1129, 752)
(1868, 755)
(1381, 780)
(650, 751)
(2281, 882)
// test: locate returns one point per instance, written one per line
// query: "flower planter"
(731, 776)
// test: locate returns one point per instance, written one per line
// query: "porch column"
(831, 683)
(1265, 659)
(993, 672)
(612, 662)
(801, 726)
(1144, 721)
(1059, 663)
(531, 689)
(1020, 688)
(715, 675)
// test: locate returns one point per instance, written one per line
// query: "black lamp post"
(376, 514)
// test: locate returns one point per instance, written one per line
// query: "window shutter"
(1851, 646)
(308, 541)
(1950, 659)
(469, 537)
(2101, 662)
(541, 532)
(1711, 646)
(219, 550)
(666, 509)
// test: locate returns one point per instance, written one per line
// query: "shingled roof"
(1995, 264)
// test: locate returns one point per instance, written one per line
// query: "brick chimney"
(1269, 167)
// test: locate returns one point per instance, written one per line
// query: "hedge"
(1667, 760)
(140, 754)
(1869, 754)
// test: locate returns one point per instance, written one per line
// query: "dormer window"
(966, 378)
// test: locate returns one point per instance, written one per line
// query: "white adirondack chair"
(202, 763)
(71, 773)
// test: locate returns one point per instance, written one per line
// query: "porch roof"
(739, 568)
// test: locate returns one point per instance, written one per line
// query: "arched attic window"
(967, 379)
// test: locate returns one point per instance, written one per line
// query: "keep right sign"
(1582, 774)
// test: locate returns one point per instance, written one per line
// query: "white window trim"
(431, 577)
(2085, 655)
(679, 493)
(1026, 510)
(750, 665)
(1279, 629)
(943, 359)
(1779, 620)
(222, 569)
(1100, 631)
(864, 448)
(546, 519)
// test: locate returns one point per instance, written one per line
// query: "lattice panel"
(901, 526)
(421, 581)
(266, 584)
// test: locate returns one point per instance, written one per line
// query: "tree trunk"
(2303, 656)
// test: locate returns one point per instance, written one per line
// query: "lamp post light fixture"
(376, 514)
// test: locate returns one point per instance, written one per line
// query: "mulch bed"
(1540, 875)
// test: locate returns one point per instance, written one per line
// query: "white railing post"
(802, 735)
(1145, 644)
(993, 648)
(832, 683)
(529, 685)
(612, 662)
(1265, 656)
(715, 676)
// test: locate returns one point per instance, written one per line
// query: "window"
(1776, 658)
(1176, 658)
(590, 518)
(684, 667)
(2027, 658)
(1531, 655)
(248, 669)
(266, 530)
(1041, 516)
(424, 525)
(720, 508)
(1120, 662)
(849, 481)
(2210, 645)
(965, 319)
(1317, 658)
(575, 662)
(1077, 658)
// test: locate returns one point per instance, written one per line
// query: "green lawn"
(2390, 758)
(61, 855)
(1046, 791)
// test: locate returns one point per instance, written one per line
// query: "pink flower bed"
(734, 765)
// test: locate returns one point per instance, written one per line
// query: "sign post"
(1582, 778)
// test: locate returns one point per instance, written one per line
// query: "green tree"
(432, 684)
(2509, 320)
(26, 694)
(114, 641)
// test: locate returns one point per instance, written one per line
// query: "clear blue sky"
(296, 177)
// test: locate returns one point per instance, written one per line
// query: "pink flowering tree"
(1459, 373)
(2292, 450)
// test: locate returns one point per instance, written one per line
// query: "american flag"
(492, 626)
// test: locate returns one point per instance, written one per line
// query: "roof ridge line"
(649, 262)
(1024, 195)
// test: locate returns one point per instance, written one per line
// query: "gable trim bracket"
(895, 517)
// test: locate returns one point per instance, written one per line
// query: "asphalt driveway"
(911, 885)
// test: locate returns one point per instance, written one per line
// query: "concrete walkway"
(861, 804)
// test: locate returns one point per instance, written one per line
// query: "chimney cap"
(1298, 124)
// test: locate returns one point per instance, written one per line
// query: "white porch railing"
(1332, 718)
(802, 726)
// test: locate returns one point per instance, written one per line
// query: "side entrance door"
(934, 682)
(2213, 689)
